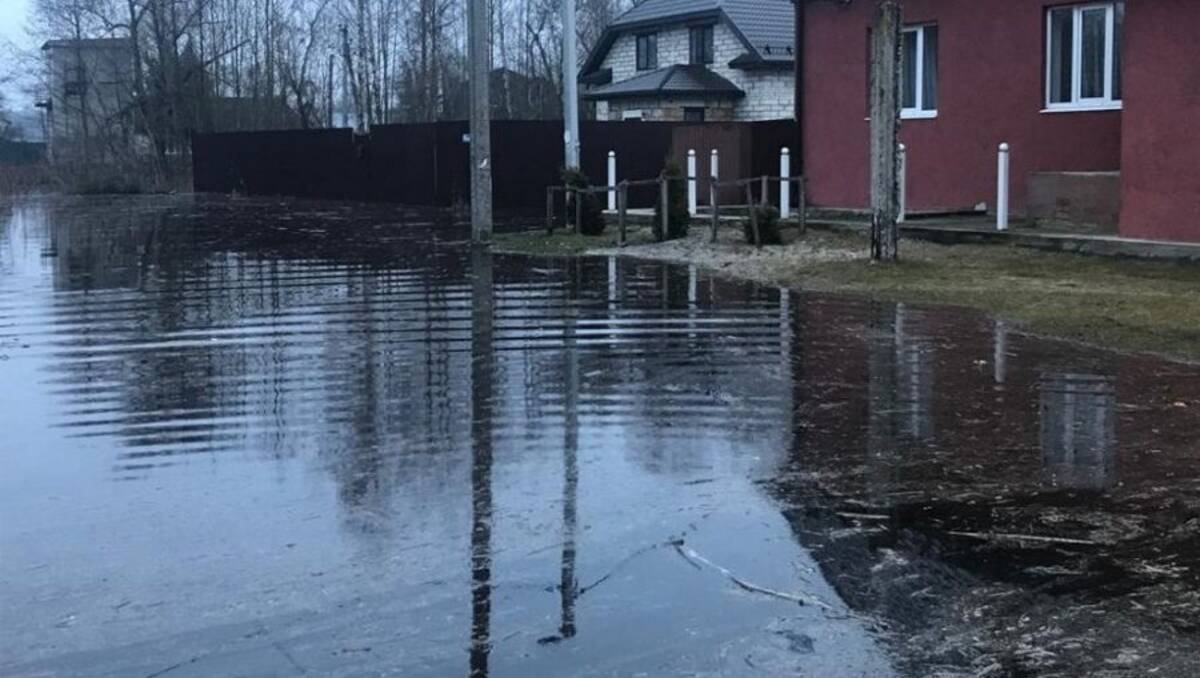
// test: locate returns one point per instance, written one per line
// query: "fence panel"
(428, 164)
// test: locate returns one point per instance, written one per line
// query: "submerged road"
(246, 437)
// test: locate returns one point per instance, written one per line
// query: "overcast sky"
(12, 27)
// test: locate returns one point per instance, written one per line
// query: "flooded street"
(245, 437)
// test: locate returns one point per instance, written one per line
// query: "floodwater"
(245, 437)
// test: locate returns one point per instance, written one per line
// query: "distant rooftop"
(88, 43)
(768, 26)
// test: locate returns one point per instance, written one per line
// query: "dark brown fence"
(428, 164)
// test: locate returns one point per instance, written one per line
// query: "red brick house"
(1099, 100)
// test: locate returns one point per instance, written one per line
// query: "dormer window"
(647, 51)
(700, 45)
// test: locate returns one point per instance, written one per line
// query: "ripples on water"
(255, 437)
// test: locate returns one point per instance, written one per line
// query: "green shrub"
(591, 219)
(768, 226)
(678, 217)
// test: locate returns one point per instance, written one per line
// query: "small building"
(90, 95)
(1098, 100)
(695, 60)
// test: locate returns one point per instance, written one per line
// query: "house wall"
(108, 94)
(768, 93)
(671, 109)
(990, 61)
(1160, 161)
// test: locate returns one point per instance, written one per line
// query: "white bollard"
(785, 184)
(1002, 168)
(902, 180)
(691, 182)
(612, 181)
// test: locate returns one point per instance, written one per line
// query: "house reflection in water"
(900, 389)
(1078, 431)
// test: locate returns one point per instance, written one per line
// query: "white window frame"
(1077, 102)
(919, 112)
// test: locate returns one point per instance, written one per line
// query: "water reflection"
(1078, 430)
(351, 399)
(482, 393)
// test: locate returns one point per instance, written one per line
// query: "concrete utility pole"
(479, 53)
(570, 86)
(885, 129)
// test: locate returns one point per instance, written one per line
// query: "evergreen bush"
(768, 226)
(678, 217)
(591, 221)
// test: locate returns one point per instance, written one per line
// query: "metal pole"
(480, 57)
(785, 182)
(1002, 169)
(612, 180)
(570, 85)
(691, 181)
(902, 179)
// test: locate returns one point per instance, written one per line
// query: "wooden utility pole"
(885, 128)
(479, 52)
(570, 86)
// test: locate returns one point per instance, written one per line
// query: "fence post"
(802, 188)
(578, 212)
(713, 200)
(902, 180)
(764, 193)
(665, 202)
(1002, 167)
(753, 213)
(549, 210)
(785, 184)
(622, 203)
(612, 180)
(691, 182)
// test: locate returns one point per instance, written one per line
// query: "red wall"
(990, 62)
(1160, 159)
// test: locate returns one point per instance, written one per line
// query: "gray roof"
(89, 43)
(677, 80)
(766, 26)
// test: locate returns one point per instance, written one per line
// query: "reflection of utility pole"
(568, 587)
(480, 56)
(570, 85)
(481, 466)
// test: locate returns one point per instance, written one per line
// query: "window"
(632, 116)
(700, 44)
(918, 72)
(693, 114)
(1083, 56)
(647, 52)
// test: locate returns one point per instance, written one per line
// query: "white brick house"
(700, 60)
